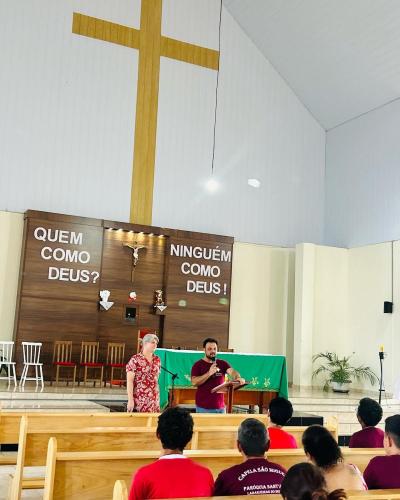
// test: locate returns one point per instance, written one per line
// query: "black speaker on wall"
(388, 307)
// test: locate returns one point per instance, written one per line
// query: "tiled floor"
(60, 392)
(5, 479)
(61, 398)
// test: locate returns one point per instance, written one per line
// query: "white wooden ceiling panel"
(341, 57)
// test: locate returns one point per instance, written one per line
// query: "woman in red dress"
(142, 373)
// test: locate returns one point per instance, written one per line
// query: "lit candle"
(381, 348)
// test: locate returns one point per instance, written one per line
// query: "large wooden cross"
(151, 45)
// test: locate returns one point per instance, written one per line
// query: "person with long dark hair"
(323, 450)
(305, 481)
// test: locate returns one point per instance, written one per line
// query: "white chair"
(6, 352)
(31, 353)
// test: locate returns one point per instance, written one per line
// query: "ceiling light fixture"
(255, 183)
(212, 185)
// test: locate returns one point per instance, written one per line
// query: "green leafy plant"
(340, 370)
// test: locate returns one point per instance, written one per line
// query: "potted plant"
(340, 373)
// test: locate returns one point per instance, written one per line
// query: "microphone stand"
(174, 376)
(381, 358)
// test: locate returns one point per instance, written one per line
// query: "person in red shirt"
(256, 475)
(384, 471)
(173, 475)
(369, 414)
(280, 412)
(207, 373)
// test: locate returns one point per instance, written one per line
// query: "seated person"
(280, 412)
(256, 475)
(305, 481)
(173, 475)
(369, 414)
(384, 472)
(322, 449)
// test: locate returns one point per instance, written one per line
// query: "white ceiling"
(340, 57)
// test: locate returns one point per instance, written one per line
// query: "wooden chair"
(62, 354)
(90, 360)
(141, 333)
(115, 360)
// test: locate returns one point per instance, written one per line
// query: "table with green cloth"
(261, 371)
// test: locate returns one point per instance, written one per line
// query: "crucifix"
(151, 45)
(135, 255)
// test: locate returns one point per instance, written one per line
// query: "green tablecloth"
(263, 371)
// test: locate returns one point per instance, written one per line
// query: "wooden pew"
(121, 493)
(9, 421)
(86, 475)
(33, 440)
(351, 495)
(35, 434)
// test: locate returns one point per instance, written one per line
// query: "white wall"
(363, 179)
(68, 109)
(321, 306)
(262, 296)
(339, 308)
(263, 131)
(370, 270)
(11, 231)
(331, 300)
(68, 113)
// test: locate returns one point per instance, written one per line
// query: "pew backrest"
(85, 475)
(120, 491)
(10, 421)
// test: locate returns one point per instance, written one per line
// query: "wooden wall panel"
(61, 309)
(192, 316)
(116, 277)
(188, 328)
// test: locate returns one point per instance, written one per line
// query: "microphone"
(213, 358)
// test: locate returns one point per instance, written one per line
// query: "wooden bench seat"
(36, 431)
(85, 475)
(34, 437)
(33, 440)
(9, 421)
(120, 492)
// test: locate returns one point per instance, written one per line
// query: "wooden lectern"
(229, 387)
